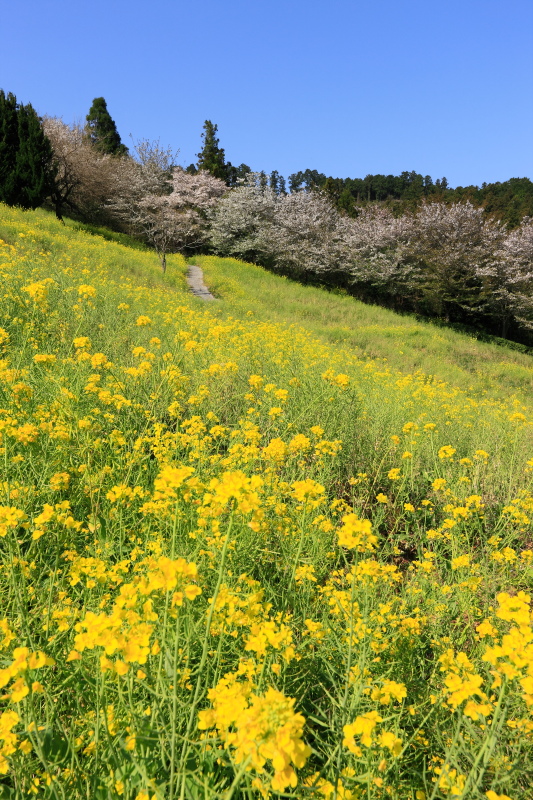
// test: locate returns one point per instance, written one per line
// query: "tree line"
(408, 242)
(509, 201)
(447, 260)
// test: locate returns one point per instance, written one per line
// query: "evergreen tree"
(102, 131)
(212, 158)
(34, 164)
(295, 181)
(235, 175)
(27, 169)
(429, 187)
(231, 174)
(242, 171)
(8, 147)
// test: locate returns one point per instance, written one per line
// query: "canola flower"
(235, 559)
(258, 729)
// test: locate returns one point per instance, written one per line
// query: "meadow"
(279, 545)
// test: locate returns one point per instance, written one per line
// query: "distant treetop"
(102, 130)
(211, 157)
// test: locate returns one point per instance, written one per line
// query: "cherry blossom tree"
(376, 243)
(299, 233)
(508, 279)
(85, 179)
(447, 248)
(241, 221)
(164, 205)
(307, 235)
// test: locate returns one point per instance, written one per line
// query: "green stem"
(296, 560)
(475, 775)
(203, 659)
(236, 780)
(346, 689)
(174, 704)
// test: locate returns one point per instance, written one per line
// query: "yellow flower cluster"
(259, 728)
(126, 632)
(357, 534)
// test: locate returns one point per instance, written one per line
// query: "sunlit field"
(249, 555)
(401, 341)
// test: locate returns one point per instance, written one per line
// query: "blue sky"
(342, 86)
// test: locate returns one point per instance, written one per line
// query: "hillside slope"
(239, 561)
(372, 332)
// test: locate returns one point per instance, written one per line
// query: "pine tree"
(102, 131)
(212, 158)
(27, 169)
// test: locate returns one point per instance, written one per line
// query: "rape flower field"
(240, 562)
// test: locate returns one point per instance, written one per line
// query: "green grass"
(401, 341)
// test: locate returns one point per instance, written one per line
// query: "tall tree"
(68, 144)
(8, 145)
(211, 157)
(508, 280)
(102, 130)
(27, 167)
(240, 220)
(34, 167)
(453, 245)
(295, 181)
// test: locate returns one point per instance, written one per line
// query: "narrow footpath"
(195, 279)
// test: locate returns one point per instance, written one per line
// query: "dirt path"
(195, 279)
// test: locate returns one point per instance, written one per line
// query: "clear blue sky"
(342, 86)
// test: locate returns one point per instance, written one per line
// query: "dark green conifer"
(8, 145)
(102, 131)
(35, 171)
(27, 168)
(212, 158)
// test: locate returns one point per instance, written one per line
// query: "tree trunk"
(163, 260)
(504, 327)
(59, 210)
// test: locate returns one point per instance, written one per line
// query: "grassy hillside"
(242, 554)
(402, 342)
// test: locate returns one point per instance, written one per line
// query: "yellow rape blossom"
(357, 534)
